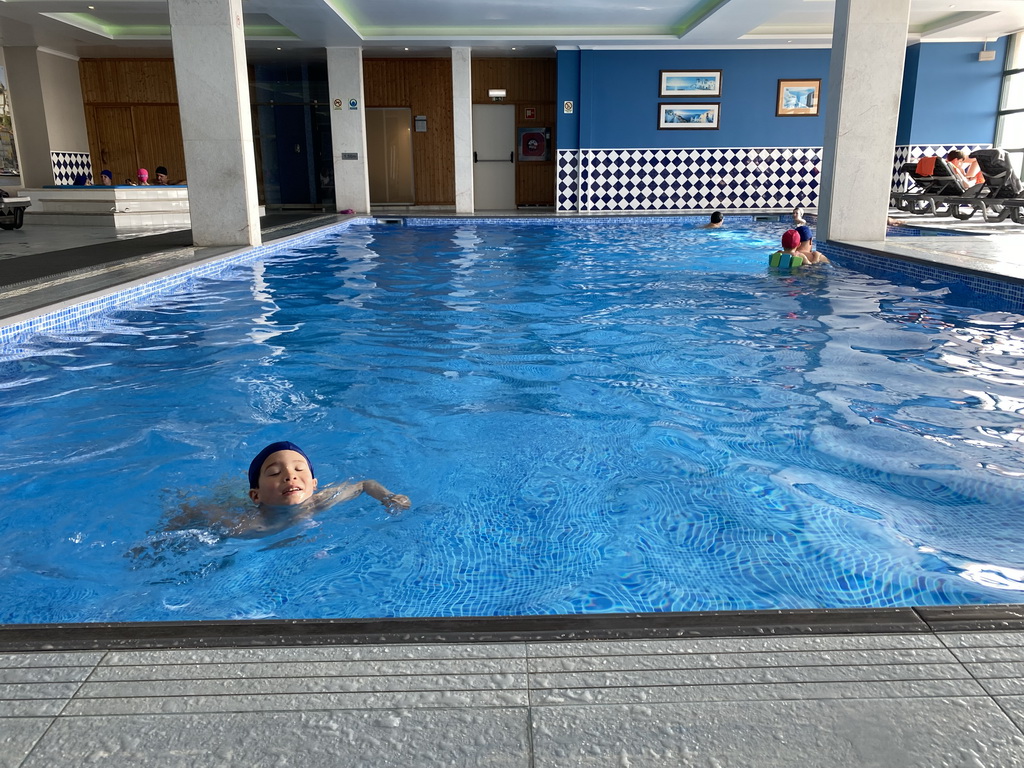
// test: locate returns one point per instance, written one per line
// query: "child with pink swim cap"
(143, 177)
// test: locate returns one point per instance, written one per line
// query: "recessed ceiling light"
(279, 49)
(407, 49)
(92, 7)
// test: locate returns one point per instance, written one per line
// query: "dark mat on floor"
(40, 265)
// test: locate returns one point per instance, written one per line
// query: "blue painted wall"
(616, 98)
(949, 97)
(955, 96)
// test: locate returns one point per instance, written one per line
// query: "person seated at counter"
(163, 180)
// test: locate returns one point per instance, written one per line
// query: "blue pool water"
(588, 417)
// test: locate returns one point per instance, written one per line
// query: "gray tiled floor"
(843, 700)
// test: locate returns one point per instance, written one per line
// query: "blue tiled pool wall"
(707, 178)
(71, 317)
(965, 288)
(690, 220)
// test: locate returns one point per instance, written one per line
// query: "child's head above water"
(281, 475)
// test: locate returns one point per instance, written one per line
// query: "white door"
(494, 147)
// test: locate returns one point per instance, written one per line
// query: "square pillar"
(348, 129)
(47, 111)
(462, 128)
(869, 42)
(216, 122)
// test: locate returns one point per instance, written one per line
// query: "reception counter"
(120, 206)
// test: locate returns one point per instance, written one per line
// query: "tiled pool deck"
(906, 699)
(891, 688)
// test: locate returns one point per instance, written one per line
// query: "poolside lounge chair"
(12, 210)
(1000, 178)
(934, 180)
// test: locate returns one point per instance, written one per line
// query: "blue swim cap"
(257, 463)
(805, 233)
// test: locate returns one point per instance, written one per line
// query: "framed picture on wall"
(688, 116)
(691, 82)
(798, 98)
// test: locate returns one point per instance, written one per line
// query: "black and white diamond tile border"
(910, 153)
(68, 165)
(687, 179)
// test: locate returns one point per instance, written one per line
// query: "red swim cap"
(790, 239)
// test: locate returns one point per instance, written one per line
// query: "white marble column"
(216, 122)
(462, 128)
(47, 110)
(348, 129)
(869, 44)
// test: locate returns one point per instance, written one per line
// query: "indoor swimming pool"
(588, 416)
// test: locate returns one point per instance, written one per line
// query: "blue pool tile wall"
(72, 316)
(692, 220)
(965, 288)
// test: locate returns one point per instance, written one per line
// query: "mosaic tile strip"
(72, 317)
(68, 165)
(966, 288)
(907, 153)
(687, 179)
(571, 220)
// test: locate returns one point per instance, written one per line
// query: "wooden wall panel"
(101, 81)
(158, 140)
(153, 80)
(128, 81)
(525, 80)
(111, 142)
(425, 87)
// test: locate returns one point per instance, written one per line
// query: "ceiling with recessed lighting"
(491, 27)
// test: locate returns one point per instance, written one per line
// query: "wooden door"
(158, 140)
(112, 142)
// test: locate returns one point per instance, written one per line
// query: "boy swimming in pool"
(284, 486)
(282, 475)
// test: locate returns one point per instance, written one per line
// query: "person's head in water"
(281, 475)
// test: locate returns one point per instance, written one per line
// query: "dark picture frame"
(690, 83)
(798, 98)
(689, 117)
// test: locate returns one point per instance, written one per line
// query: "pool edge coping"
(508, 629)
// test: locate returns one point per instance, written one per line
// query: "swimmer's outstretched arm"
(392, 501)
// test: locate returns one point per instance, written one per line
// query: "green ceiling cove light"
(696, 16)
(90, 23)
(367, 31)
(347, 15)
